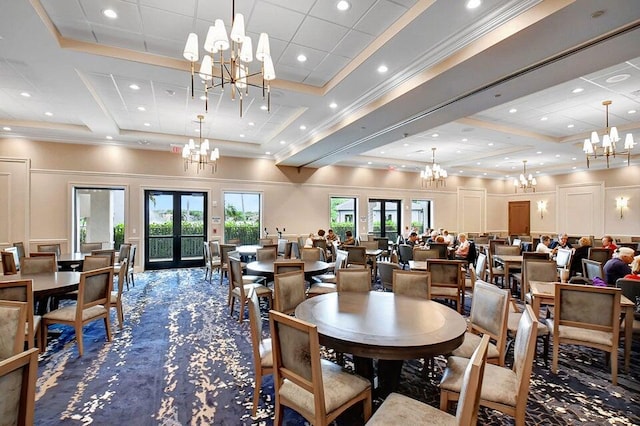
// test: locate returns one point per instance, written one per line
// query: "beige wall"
(37, 178)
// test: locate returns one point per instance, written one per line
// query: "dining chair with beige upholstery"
(503, 389)
(536, 270)
(92, 262)
(224, 259)
(240, 288)
(600, 254)
(586, 315)
(316, 388)
(400, 409)
(284, 266)
(18, 376)
(354, 280)
(481, 266)
(313, 254)
(206, 251)
(123, 253)
(327, 283)
(49, 248)
(115, 299)
(213, 262)
(8, 263)
(19, 245)
(13, 320)
(109, 254)
(411, 283)
(261, 348)
(246, 279)
(22, 291)
(131, 265)
(422, 254)
(515, 313)
(592, 269)
(267, 254)
(447, 281)
(357, 256)
(94, 292)
(265, 242)
(39, 264)
(289, 290)
(89, 247)
(488, 317)
(385, 271)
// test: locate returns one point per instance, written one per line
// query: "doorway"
(175, 228)
(519, 217)
(384, 218)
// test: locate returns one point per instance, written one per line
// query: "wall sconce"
(621, 203)
(542, 207)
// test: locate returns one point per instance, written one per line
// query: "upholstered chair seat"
(321, 288)
(596, 337)
(471, 341)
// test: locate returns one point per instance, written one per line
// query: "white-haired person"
(635, 270)
(618, 265)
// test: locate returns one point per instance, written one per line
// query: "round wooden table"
(311, 267)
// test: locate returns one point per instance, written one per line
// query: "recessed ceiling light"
(461, 171)
(570, 126)
(539, 152)
(490, 144)
(577, 90)
(574, 167)
(25, 94)
(369, 162)
(283, 142)
(109, 137)
(537, 171)
(435, 135)
(8, 129)
(403, 166)
(618, 78)
(382, 69)
(458, 152)
(147, 124)
(268, 152)
(485, 173)
(301, 58)
(506, 176)
(513, 167)
(303, 127)
(506, 158)
(264, 107)
(557, 155)
(465, 140)
(110, 13)
(631, 111)
(542, 164)
(574, 158)
(381, 152)
(343, 5)
(472, 4)
(251, 123)
(203, 97)
(544, 118)
(513, 111)
(405, 144)
(170, 92)
(141, 108)
(134, 87)
(242, 135)
(48, 114)
(478, 163)
(333, 105)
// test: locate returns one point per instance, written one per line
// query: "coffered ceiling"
(488, 87)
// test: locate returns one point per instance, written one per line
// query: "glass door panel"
(384, 218)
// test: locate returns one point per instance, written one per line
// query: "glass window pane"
(99, 217)
(242, 217)
(343, 216)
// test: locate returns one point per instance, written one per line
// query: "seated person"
(448, 238)
(320, 234)
(618, 265)
(543, 246)
(349, 240)
(440, 239)
(308, 243)
(563, 242)
(463, 248)
(607, 242)
(635, 269)
(413, 239)
(582, 252)
(332, 236)
(432, 237)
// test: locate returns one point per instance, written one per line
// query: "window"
(98, 217)
(343, 213)
(384, 218)
(242, 217)
(421, 215)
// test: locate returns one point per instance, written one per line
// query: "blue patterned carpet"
(181, 360)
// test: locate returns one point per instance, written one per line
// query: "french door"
(175, 228)
(384, 218)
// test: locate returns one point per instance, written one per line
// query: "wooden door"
(519, 217)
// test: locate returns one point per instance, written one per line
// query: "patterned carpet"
(181, 360)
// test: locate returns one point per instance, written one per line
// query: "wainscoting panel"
(580, 209)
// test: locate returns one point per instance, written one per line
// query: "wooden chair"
(412, 283)
(288, 250)
(422, 254)
(357, 256)
(261, 348)
(239, 288)
(267, 254)
(22, 291)
(503, 389)
(18, 376)
(123, 253)
(289, 290)
(599, 254)
(21, 250)
(587, 316)
(441, 248)
(592, 269)
(327, 283)
(358, 280)
(49, 248)
(246, 279)
(481, 266)
(300, 375)
(313, 254)
(115, 299)
(92, 262)
(631, 290)
(489, 313)
(206, 251)
(39, 264)
(94, 293)
(8, 263)
(281, 267)
(265, 242)
(224, 258)
(405, 254)
(13, 320)
(89, 247)
(542, 332)
(109, 254)
(536, 269)
(399, 409)
(447, 281)
(386, 270)
(131, 261)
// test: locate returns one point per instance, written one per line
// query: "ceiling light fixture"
(433, 174)
(201, 154)
(233, 71)
(525, 182)
(343, 5)
(609, 140)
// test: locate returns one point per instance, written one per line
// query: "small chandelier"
(433, 174)
(233, 71)
(609, 140)
(525, 182)
(201, 155)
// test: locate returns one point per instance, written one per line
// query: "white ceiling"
(453, 72)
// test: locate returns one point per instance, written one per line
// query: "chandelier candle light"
(525, 182)
(609, 140)
(233, 71)
(433, 174)
(201, 154)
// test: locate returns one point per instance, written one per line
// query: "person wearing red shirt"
(635, 270)
(607, 242)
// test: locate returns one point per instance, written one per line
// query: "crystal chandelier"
(609, 140)
(433, 174)
(200, 155)
(525, 182)
(234, 70)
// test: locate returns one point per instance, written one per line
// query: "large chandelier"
(200, 154)
(433, 174)
(525, 182)
(234, 70)
(609, 139)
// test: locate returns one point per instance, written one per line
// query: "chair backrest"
(265, 242)
(341, 261)
(535, 255)
(8, 263)
(563, 257)
(587, 306)
(592, 269)
(21, 250)
(281, 267)
(13, 315)
(125, 249)
(94, 289)
(472, 254)
(206, 250)
(255, 326)
(524, 350)
(516, 242)
(314, 253)
(224, 252)
(385, 269)
(369, 245)
(37, 265)
(469, 401)
(507, 250)
(632, 245)
(18, 388)
(538, 270)
(92, 262)
(494, 243)
(235, 276)
(631, 290)
(357, 255)
(49, 248)
(132, 258)
(282, 244)
(289, 291)
(412, 283)
(422, 254)
(288, 249)
(354, 280)
(21, 291)
(405, 252)
(234, 241)
(301, 241)
(109, 254)
(122, 274)
(481, 266)
(320, 243)
(267, 254)
(89, 247)
(383, 243)
(600, 254)
(214, 249)
(441, 248)
(489, 314)
(447, 273)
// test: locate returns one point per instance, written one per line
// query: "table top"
(511, 258)
(547, 290)
(48, 283)
(374, 252)
(247, 250)
(266, 266)
(72, 257)
(383, 325)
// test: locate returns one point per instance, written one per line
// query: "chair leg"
(614, 367)
(444, 400)
(554, 362)
(43, 336)
(545, 350)
(120, 316)
(79, 340)
(278, 414)
(107, 326)
(256, 393)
